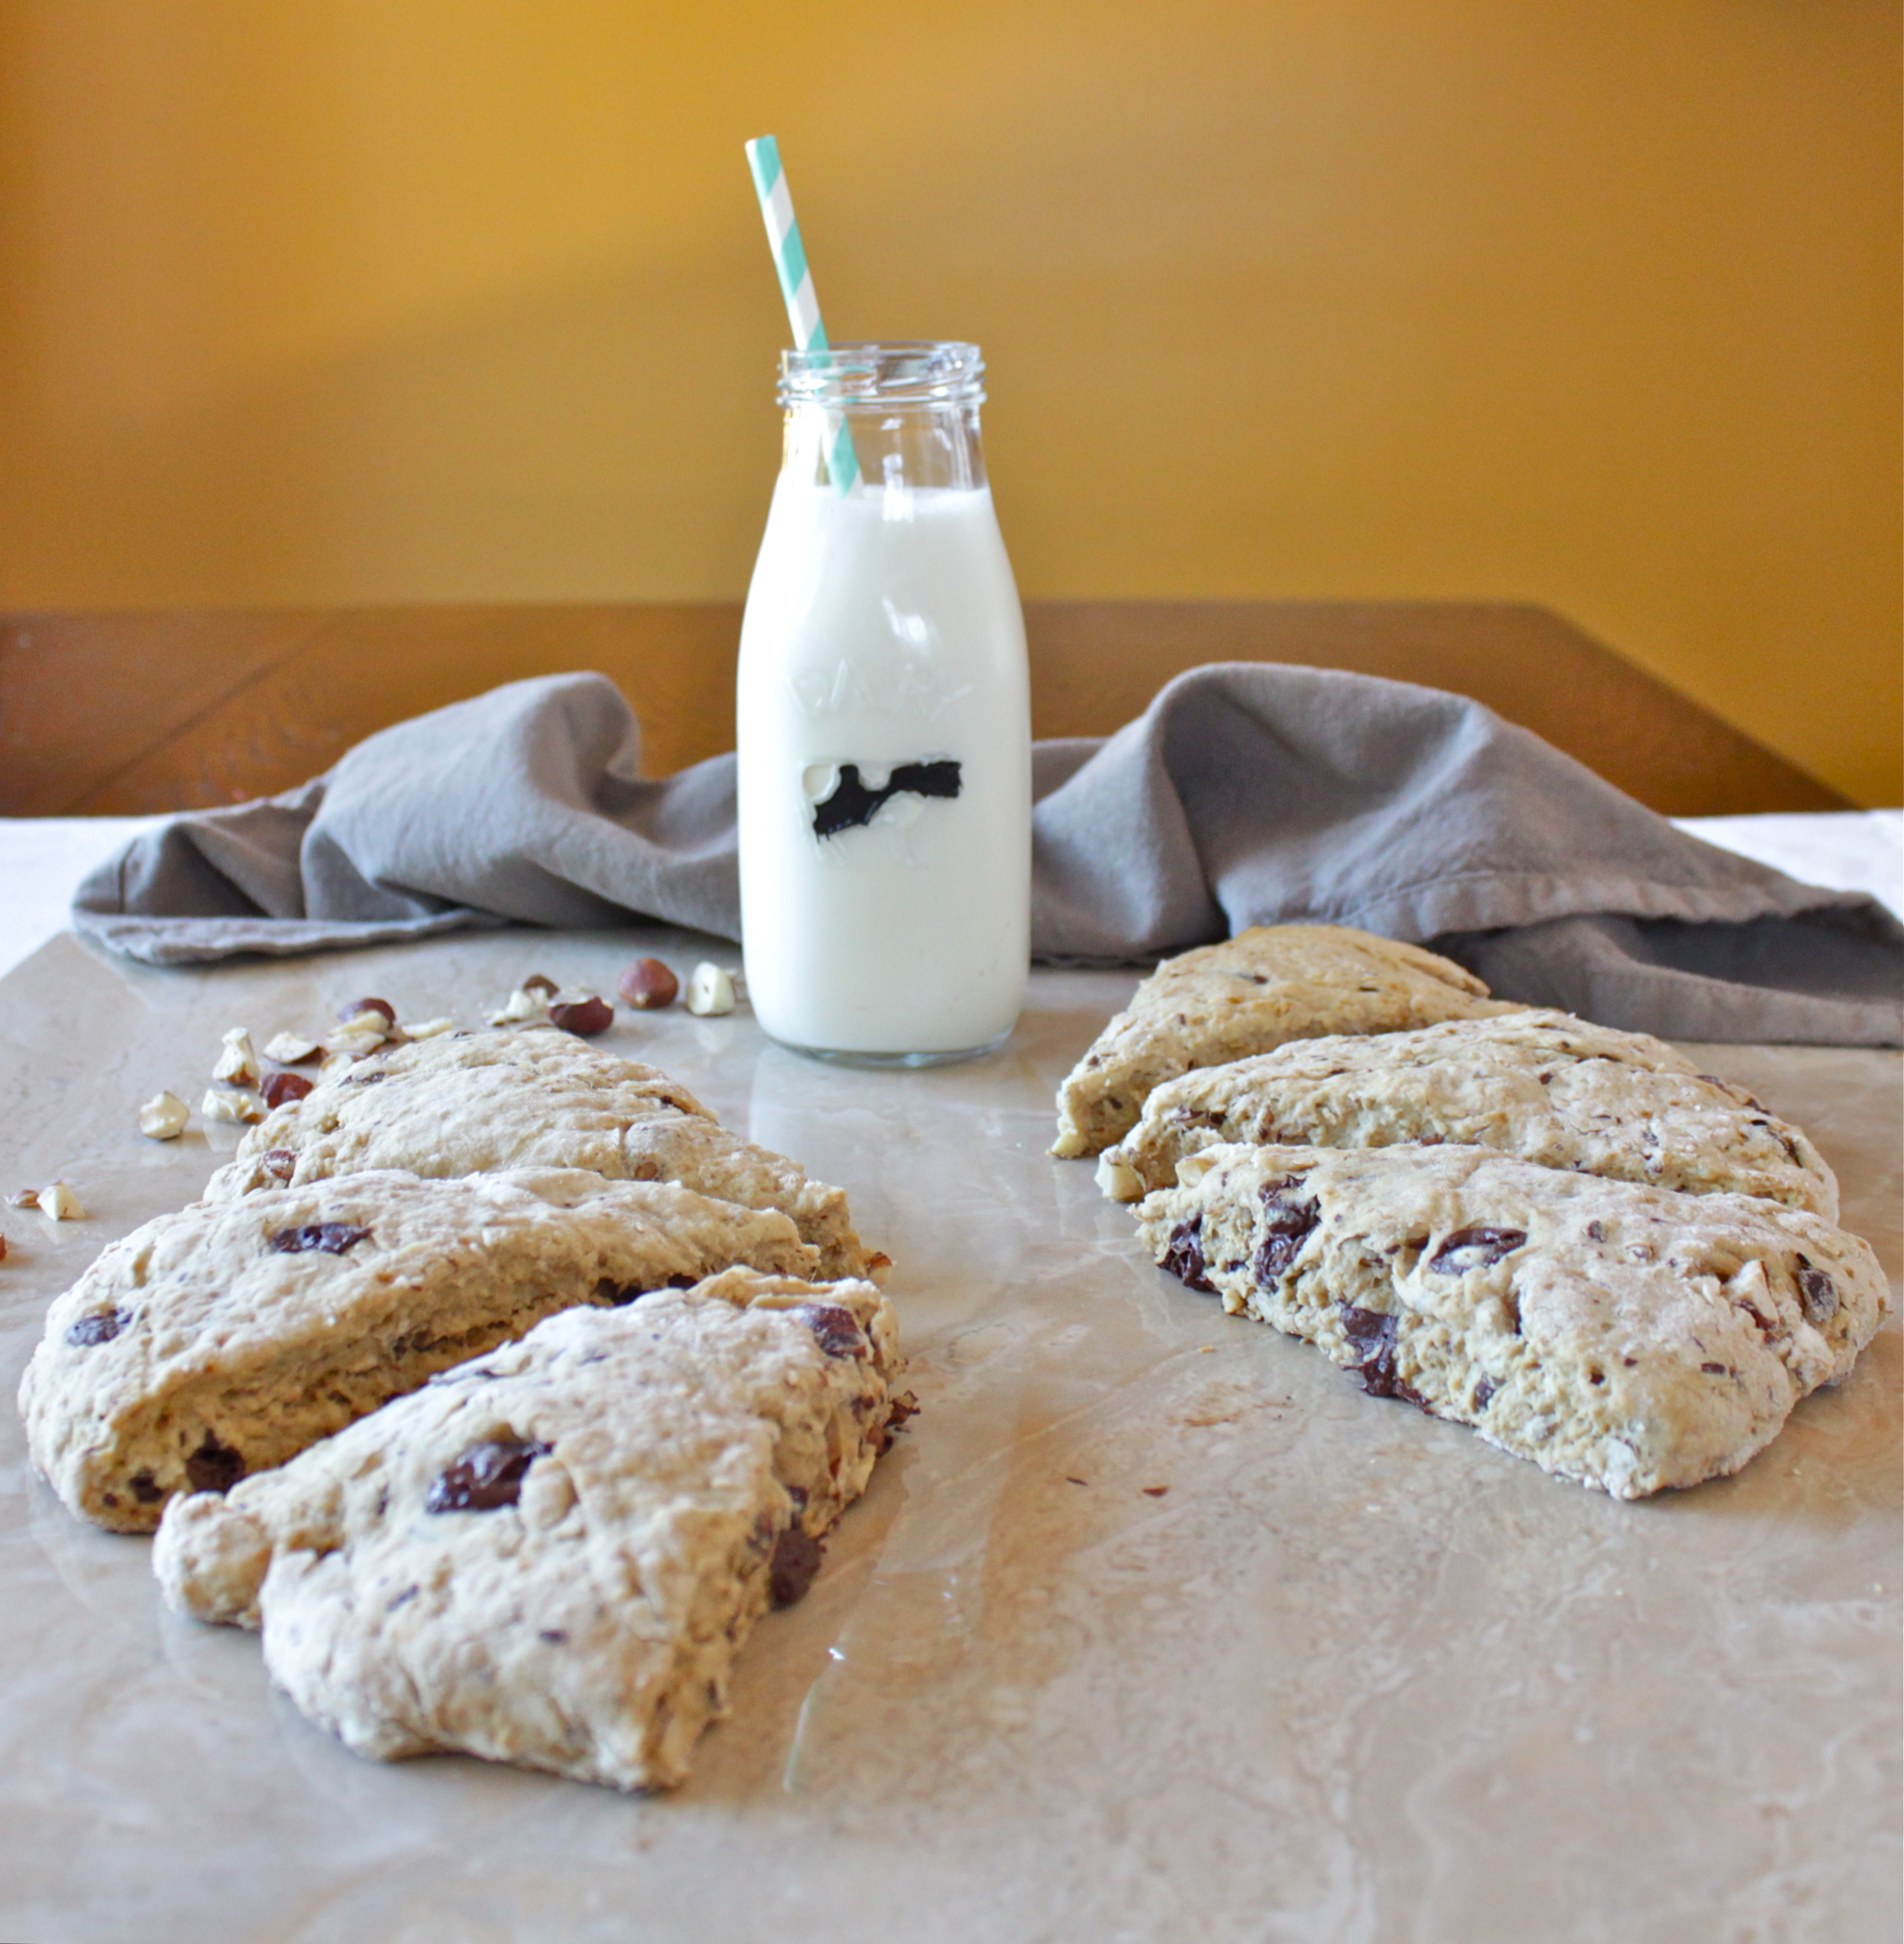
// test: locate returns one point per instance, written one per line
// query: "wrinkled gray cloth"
(1244, 795)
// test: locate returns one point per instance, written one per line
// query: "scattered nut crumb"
(3, 1248)
(647, 985)
(283, 1089)
(710, 990)
(232, 1104)
(1070, 1480)
(539, 981)
(359, 1008)
(290, 1049)
(364, 1034)
(238, 1063)
(429, 1029)
(24, 1198)
(583, 1013)
(527, 1005)
(59, 1203)
(163, 1117)
(1155, 1490)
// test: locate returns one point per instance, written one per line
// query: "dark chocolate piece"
(487, 1477)
(213, 1467)
(791, 1572)
(1182, 1256)
(332, 1237)
(1479, 1248)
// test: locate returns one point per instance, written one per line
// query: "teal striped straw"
(797, 283)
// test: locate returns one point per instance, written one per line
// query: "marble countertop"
(1153, 1627)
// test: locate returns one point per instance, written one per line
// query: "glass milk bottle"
(884, 721)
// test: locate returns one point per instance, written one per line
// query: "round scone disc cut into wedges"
(223, 1339)
(1629, 1337)
(1543, 1086)
(1252, 993)
(474, 1103)
(551, 1556)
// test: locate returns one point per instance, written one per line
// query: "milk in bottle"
(883, 721)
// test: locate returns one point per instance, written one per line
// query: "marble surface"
(1152, 1628)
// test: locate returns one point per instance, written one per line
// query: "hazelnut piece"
(163, 1117)
(238, 1063)
(59, 1203)
(540, 982)
(585, 1016)
(711, 990)
(283, 1087)
(288, 1049)
(647, 985)
(358, 1007)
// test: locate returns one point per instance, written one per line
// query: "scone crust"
(473, 1103)
(1544, 1086)
(222, 1339)
(1251, 993)
(1628, 1338)
(587, 1625)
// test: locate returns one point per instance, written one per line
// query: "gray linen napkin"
(1244, 795)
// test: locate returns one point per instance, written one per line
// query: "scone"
(1544, 1086)
(471, 1103)
(551, 1556)
(1629, 1337)
(1252, 993)
(224, 1339)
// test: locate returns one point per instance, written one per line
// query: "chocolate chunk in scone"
(552, 1554)
(1543, 1086)
(220, 1341)
(1629, 1337)
(472, 1103)
(1253, 993)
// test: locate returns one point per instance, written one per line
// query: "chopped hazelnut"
(239, 1062)
(233, 1105)
(710, 990)
(24, 1198)
(163, 1117)
(540, 982)
(525, 1007)
(429, 1029)
(290, 1049)
(647, 985)
(359, 1009)
(583, 1013)
(59, 1203)
(363, 1033)
(281, 1089)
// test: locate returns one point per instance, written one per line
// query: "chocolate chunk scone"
(1544, 1086)
(474, 1102)
(1249, 995)
(223, 1340)
(552, 1554)
(1629, 1337)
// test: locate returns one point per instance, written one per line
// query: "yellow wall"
(1592, 303)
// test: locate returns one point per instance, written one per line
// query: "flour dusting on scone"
(223, 1339)
(1252, 993)
(1628, 1338)
(472, 1103)
(1544, 1086)
(552, 1554)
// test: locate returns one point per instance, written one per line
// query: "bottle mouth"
(907, 372)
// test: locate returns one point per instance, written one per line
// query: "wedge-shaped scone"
(1251, 994)
(1544, 1086)
(471, 1103)
(1626, 1337)
(224, 1339)
(552, 1554)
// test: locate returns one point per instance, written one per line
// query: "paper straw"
(797, 283)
